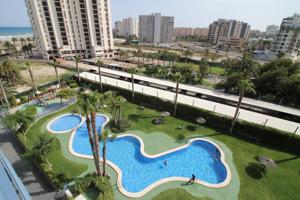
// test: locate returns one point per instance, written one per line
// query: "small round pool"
(65, 123)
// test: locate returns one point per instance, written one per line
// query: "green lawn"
(214, 70)
(177, 194)
(59, 163)
(281, 183)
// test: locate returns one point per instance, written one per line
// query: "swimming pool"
(65, 123)
(138, 172)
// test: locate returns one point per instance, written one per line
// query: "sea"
(6, 33)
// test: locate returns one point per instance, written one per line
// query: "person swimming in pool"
(192, 180)
(165, 163)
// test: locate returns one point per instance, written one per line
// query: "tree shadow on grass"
(191, 127)
(255, 170)
(136, 118)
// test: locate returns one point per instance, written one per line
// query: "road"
(219, 108)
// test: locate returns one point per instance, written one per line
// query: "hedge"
(270, 137)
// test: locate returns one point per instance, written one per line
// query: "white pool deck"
(219, 108)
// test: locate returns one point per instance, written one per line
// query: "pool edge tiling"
(65, 131)
(162, 181)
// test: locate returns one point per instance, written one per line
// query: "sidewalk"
(33, 180)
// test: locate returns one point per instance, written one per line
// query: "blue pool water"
(139, 172)
(65, 123)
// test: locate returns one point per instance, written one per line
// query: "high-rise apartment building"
(272, 30)
(127, 27)
(287, 39)
(228, 33)
(156, 29)
(185, 31)
(64, 28)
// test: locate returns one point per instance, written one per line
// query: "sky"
(187, 13)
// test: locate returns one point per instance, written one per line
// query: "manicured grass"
(60, 164)
(281, 183)
(214, 70)
(177, 194)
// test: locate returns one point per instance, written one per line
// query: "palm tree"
(86, 107)
(99, 65)
(20, 121)
(29, 40)
(95, 102)
(165, 54)
(66, 94)
(244, 85)
(56, 63)
(177, 77)
(9, 47)
(4, 94)
(203, 68)
(9, 73)
(23, 41)
(14, 40)
(139, 53)
(31, 76)
(77, 60)
(132, 71)
(42, 147)
(104, 137)
(116, 107)
(187, 54)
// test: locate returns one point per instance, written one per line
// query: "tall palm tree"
(56, 63)
(14, 40)
(31, 76)
(77, 60)
(9, 73)
(165, 54)
(244, 85)
(99, 65)
(132, 71)
(177, 77)
(94, 101)
(4, 94)
(139, 54)
(86, 107)
(104, 137)
(187, 54)
(23, 41)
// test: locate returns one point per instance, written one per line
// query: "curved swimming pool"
(64, 123)
(139, 171)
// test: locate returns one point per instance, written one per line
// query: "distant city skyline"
(188, 13)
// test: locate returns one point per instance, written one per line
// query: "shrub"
(101, 184)
(76, 110)
(23, 99)
(13, 101)
(31, 110)
(73, 85)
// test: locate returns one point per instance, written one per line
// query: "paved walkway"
(219, 108)
(33, 180)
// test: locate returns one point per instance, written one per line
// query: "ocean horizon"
(10, 32)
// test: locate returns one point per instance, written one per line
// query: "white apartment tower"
(272, 30)
(156, 29)
(288, 38)
(65, 28)
(127, 27)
